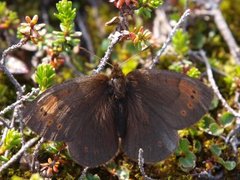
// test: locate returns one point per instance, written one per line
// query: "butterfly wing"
(159, 102)
(80, 113)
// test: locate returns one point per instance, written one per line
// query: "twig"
(114, 38)
(141, 163)
(214, 86)
(35, 153)
(227, 34)
(161, 26)
(159, 53)
(4, 123)
(6, 71)
(85, 32)
(83, 175)
(12, 106)
(23, 98)
(212, 9)
(16, 156)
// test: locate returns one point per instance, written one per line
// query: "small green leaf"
(129, 66)
(205, 122)
(15, 177)
(181, 42)
(226, 119)
(92, 177)
(13, 139)
(193, 72)
(188, 162)
(214, 103)
(3, 158)
(215, 129)
(216, 150)
(197, 145)
(36, 176)
(184, 145)
(44, 76)
(229, 165)
(123, 173)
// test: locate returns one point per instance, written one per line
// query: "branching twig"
(83, 175)
(141, 163)
(35, 153)
(214, 86)
(4, 123)
(81, 24)
(114, 38)
(6, 71)
(227, 34)
(16, 156)
(159, 53)
(23, 98)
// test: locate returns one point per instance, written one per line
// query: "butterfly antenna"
(93, 54)
(89, 52)
(130, 58)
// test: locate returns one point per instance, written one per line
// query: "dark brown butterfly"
(144, 109)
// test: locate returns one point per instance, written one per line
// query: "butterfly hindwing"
(146, 130)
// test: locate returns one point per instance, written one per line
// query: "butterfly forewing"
(80, 113)
(179, 101)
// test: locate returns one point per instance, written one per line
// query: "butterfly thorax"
(118, 83)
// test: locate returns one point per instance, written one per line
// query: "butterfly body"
(145, 109)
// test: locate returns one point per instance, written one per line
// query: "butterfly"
(98, 115)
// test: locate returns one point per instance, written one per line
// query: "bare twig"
(85, 32)
(161, 26)
(214, 86)
(83, 175)
(35, 153)
(15, 113)
(227, 34)
(23, 98)
(141, 163)
(16, 156)
(159, 53)
(4, 123)
(211, 8)
(6, 71)
(114, 39)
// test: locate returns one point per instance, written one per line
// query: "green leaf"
(197, 145)
(226, 119)
(205, 122)
(44, 76)
(123, 173)
(3, 158)
(216, 150)
(13, 139)
(144, 11)
(184, 145)
(215, 129)
(229, 165)
(188, 162)
(92, 177)
(214, 103)
(15, 177)
(193, 72)
(129, 66)
(36, 176)
(181, 42)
